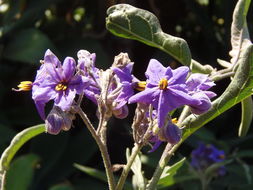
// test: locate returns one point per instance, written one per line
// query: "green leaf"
(239, 89)
(239, 29)
(167, 177)
(133, 23)
(17, 142)
(21, 172)
(28, 46)
(246, 116)
(97, 174)
(92, 172)
(61, 187)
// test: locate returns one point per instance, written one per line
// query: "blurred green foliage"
(28, 28)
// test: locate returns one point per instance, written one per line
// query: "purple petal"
(53, 72)
(155, 146)
(65, 99)
(149, 95)
(126, 92)
(122, 74)
(155, 71)
(69, 66)
(43, 94)
(199, 81)
(204, 106)
(173, 133)
(78, 83)
(178, 97)
(210, 94)
(50, 58)
(121, 113)
(40, 105)
(179, 75)
(163, 108)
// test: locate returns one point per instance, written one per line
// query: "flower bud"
(121, 60)
(205, 103)
(58, 120)
(170, 133)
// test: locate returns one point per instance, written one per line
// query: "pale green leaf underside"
(246, 116)
(133, 23)
(239, 29)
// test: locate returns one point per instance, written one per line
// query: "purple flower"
(165, 90)
(206, 155)
(126, 82)
(197, 85)
(86, 66)
(57, 82)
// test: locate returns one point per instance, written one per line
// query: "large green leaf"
(28, 46)
(133, 23)
(239, 89)
(21, 172)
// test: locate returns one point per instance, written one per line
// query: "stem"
(102, 148)
(127, 167)
(204, 183)
(184, 114)
(167, 153)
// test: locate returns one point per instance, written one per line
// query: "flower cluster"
(164, 90)
(206, 155)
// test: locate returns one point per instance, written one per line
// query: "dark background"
(28, 28)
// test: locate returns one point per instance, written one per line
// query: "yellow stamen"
(141, 86)
(25, 86)
(60, 87)
(174, 120)
(163, 83)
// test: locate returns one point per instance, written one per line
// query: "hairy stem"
(167, 153)
(102, 148)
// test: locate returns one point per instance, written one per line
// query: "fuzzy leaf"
(133, 23)
(239, 29)
(246, 117)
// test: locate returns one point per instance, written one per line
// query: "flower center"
(163, 83)
(61, 86)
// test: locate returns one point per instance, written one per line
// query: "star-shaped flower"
(165, 89)
(57, 82)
